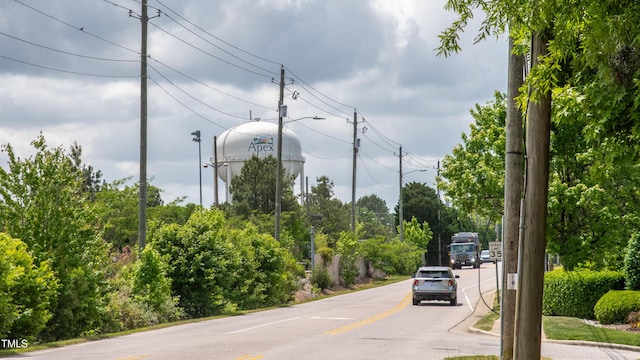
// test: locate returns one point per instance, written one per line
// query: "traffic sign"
(495, 250)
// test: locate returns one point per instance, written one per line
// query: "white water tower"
(257, 138)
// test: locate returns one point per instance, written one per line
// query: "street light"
(282, 112)
(197, 139)
(400, 205)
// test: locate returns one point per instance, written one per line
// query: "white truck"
(464, 250)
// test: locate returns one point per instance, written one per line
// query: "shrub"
(632, 263)
(25, 291)
(392, 257)
(616, 306)
(575, 293)
(320, 277)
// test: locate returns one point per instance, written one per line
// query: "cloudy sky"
(70, 69)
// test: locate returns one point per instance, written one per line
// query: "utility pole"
(512, 194)
(439, 222)
(142, 201)
(528, 327)
(356, 146)
(279, 157)
(400, 205)
(215, 171)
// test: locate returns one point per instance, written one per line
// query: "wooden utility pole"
(400, 202)
(512, 194)
(356, 146)
(527, 339)
(279, 157)
(216, 202)
(142, 201)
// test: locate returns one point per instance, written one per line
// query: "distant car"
(435, 283)
(485, 256)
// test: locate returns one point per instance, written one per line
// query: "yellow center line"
(401, 305)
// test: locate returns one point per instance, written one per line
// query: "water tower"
(257, 138)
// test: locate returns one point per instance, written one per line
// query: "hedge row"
(575, 293)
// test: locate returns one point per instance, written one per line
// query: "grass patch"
(566, 328)
(487, 321)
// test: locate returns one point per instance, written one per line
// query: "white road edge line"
(464, 290)
(263, 325)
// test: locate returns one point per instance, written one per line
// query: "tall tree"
(475, 169)
(91, 179)
(334, 214)
(254, 188)
(42, 203)
(421, 201)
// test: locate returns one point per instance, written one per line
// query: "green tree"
(335, 215)
(254, 188)
(421, 201)
(347, 248)
(474, 172)
(417, 234)
(91, 180)
(42, 203)
(26, 290)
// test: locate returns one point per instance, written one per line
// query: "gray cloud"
(375, 56)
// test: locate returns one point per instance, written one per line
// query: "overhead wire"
(193, 97)
(211, 87)
(67, 71)
(210, 54)
(66, 52)
(183, 104)
(81, 29)
(217, 38)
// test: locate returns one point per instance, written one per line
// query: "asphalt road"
(378, 323)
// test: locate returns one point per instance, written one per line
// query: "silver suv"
(435, 283)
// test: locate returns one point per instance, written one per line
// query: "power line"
(67, 71)
(81, 28)
(211, 87)
(210, 54)
(323, 95)
(65, 52)
(193, 97)
(185, 105)
(217, 38)
(221, 49)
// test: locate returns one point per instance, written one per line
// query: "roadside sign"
(495, 250)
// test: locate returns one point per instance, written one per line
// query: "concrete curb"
(479, 313)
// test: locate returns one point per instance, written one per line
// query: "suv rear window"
(434, 274)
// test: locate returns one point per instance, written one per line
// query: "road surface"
(378, 323)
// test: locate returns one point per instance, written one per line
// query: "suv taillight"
(416, 282)
(450, 282)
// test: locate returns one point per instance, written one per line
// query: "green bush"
(575, 293)
(392, 257)
(320, 277)
(25, 291)
(632, 263)
(616, 305)
(216, 270)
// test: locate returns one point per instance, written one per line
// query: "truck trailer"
(464, 250)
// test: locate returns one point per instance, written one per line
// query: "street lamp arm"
(306, 117)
